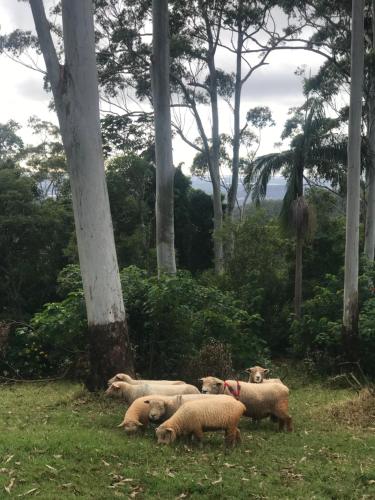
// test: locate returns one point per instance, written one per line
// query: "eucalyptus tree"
(163, 138)
(74, 86)
(314, 148)
(350, 309)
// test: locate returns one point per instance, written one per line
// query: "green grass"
(58, 442)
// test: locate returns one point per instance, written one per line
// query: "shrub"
(214, 358)
(169, 319)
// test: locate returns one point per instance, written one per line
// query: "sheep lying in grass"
(257, 375)
(123, 377)
(195, 417)
(261, 400)
(136, 417)
(130, 392)
(161, 409)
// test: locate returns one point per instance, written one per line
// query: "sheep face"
(132, 427)
(114, 390)
(257, 374)
(157, 409)
(211, 385)
(119, 377)
(165, 435)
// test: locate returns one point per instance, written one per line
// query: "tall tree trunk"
(298, 277)
(163, 139)
(232, 194)
(370, 212)
(215, 170)
(75, 91)
(350, 313)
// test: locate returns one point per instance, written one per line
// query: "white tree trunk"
(163, 139)
(370, 212)
(75, 90)
(350, 312)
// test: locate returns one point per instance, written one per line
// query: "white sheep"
(261, 400)
(195, 417)
(257, 375)
(123, 377)
(130, 392)
(161, 409)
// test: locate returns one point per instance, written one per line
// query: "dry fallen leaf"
(105, 463)
(10, 485)
(9, 459)
(217, 481)
(29, 492)
(229, 465)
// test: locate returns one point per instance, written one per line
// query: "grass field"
(57, 441)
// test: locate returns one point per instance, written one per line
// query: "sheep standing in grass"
(136, 417)
(257, 375)
(123, 377)
(130, 392)
(161, 409)
(193, 418)
(261, 400)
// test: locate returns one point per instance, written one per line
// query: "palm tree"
(313, 147)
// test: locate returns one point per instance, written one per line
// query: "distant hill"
(275, 189)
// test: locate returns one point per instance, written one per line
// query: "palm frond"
(262, 169)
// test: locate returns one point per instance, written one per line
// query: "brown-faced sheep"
(161, 409)
(257, 375)
(130, 392)
(196, 417)
(136, 417)
(123, 377)
(261, 400)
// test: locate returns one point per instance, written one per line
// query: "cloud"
(32, 89)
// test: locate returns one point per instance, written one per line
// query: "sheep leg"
(231, 434)
(281, 412)
(198, 436)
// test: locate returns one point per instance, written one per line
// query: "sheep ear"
(200, 379)
(219, 384)
(139, 424)
(266, 370)
(247, 370)
(116, 385)
(147, 402)
(169, 430)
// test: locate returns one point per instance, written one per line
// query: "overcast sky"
(274, 85)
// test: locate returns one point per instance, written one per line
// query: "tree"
(163, 138)
(75, 90)
(370, 213)
(313, 147)
(350, 310)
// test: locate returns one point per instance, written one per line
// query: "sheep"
(195, 417)
(161, 409)
(257, 373)
(261, 400)
(136, 417)
(123, 377)
(131, 392)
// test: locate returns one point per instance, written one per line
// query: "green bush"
(169, 320)
(317, 335)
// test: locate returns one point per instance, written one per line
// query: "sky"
(274, 85)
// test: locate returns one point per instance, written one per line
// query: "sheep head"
(256, 374)
(165, 435)
(212, 385)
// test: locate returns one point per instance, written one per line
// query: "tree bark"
(298, 278)
(215, 163)
(350, 309)
(163, 139)
(232, 194)
(75, 91)
(370, 212)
